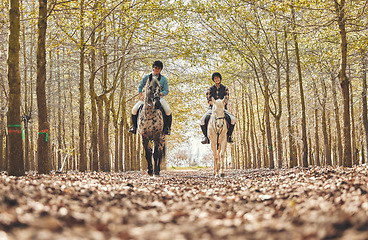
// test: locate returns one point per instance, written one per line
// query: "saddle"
(227, 120)
(161, 108)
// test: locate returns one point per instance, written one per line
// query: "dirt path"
(317, 203)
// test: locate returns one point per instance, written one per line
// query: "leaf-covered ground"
(315, 203)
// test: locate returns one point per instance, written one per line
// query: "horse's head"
(153, 91)
(218, 109)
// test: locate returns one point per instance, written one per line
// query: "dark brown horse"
(150, 126)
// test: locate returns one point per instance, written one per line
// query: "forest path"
(314, 203)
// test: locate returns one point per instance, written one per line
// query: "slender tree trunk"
(44, 161)
(252, 134)
(93, 96)
(292, 158)
(316, 130)
(364, 104)
(26, 115)
(337, 121)
(2, 167)
(82, 148)
(107, 162)
(353, 139)
(267, 120)
(246, 130)
(278, 111)
(15, 150)
(344, 82)
(60, 120)
(101, 145)
(302, 99)
(31, 91)
(326, 139)
(121, 148)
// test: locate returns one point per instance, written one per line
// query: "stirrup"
(205, 140)
(133, 130)
(167, 131)
(229, 139)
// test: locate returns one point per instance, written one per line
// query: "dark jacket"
(218, 93)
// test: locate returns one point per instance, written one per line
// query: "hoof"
(222, 175)
(150, 173)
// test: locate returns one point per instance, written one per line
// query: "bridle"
(156, 95)
(218, 130)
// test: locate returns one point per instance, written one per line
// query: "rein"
(217, 131)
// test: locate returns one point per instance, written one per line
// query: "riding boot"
(133, 129)
(205, 139)
(167, 124)
(229, 133)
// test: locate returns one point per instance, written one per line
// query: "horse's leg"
(216, 158)
(222, 158)
(148, 150)
(157, 155)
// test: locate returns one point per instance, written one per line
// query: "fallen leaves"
(314, 203)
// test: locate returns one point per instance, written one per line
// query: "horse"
(151, 125)
(217, 133)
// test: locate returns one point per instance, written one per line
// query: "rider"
(157, 66)
(217, 91)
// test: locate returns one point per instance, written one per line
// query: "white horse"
(217, 133)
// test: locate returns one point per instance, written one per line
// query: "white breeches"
(163, 102)
(209, 111)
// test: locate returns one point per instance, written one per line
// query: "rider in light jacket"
(156, 70)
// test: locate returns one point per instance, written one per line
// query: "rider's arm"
(164, 86)
(209, 96)
(226, 97)
(142, 84)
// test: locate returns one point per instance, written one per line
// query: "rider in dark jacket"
(217, 91)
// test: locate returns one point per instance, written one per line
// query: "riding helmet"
(216, 74)
(158, 64)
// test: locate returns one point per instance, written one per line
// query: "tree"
(44, 162)
(344, 81)
(16, 161)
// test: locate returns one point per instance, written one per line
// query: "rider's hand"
(210, 102)
(141, 97)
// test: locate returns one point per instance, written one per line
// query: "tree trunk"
(353, 140)
(278, 110)
(326, 140)
(292, 158)
(82, 148)
(316, 130)
(344, 82)
(44, 161)
(15, 150)
(101, 146)
(93, 96)
(107, 162)
(26, 116)
(252, 135)
(2, 167)
(337, 120)
(302, 99)
(364, 104)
